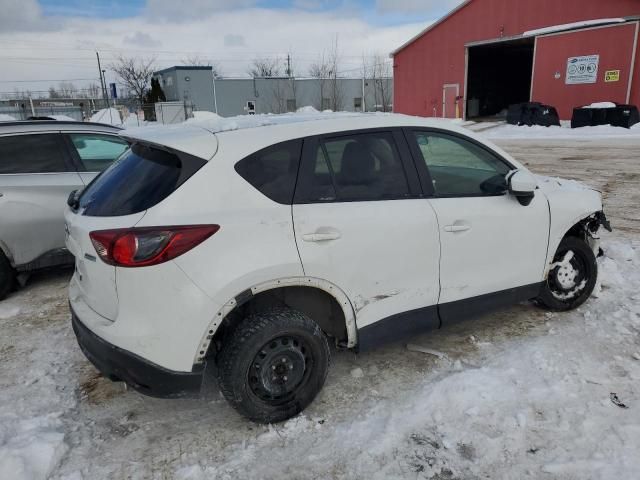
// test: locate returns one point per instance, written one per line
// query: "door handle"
(457, 228)
(321, 236)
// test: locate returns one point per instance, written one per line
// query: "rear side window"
(273, 170)
(96, 151)
(42, 153)
(363, 167)
(138, 180)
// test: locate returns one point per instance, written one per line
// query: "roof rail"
(54, 122)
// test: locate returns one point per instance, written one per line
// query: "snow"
(520, 393)
(307, 109)
(601, 105)
(110, 116)
(203, 115)
(505, 131)
(6, 118)
(571, 26)
(64, 118)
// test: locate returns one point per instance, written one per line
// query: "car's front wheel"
(7, 276)
(572, 276)
(273, 364)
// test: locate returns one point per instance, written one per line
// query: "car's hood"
(554, 184)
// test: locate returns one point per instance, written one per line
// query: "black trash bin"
(533, 113)
(619, 116)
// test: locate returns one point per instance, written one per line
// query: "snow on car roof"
(195, 136)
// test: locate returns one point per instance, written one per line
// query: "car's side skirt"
(404, 325)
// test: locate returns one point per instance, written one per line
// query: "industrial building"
(488, 54)
(197, 87)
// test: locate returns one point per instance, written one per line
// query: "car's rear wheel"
(572, 277)
(7, 277)
(273, 364)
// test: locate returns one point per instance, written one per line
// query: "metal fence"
(20, 113)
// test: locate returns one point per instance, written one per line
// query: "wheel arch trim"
(310, 282)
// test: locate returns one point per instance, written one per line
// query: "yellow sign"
(612, 76)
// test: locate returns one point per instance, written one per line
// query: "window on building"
(291, 105)
(357, 103)
(326, 104)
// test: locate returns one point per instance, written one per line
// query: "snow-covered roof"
(572, 26)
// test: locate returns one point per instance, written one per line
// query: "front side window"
(459, 167)
(363, 167)
(96, 151)
(273, 170)
(41, 153)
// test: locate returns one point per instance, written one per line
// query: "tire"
(572, 280)
(273, 364)
(7, 277)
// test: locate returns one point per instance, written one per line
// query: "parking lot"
(517, 394)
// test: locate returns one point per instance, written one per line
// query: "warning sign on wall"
(612, 76)
(582, 69)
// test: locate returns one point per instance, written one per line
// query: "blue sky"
(369, 10)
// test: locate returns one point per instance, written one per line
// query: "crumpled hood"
(553, 184)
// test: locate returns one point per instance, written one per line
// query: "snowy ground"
(517, 394)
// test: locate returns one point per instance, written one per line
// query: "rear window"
(140, 179)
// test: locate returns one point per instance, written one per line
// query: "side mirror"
(522, 185)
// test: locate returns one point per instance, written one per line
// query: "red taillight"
(141, 247)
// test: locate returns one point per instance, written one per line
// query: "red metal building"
(487, 54)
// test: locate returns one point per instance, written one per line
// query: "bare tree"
(135, 74)
(376, 70)
(320, 70)
(93, 91)
(67, 90)
(326, 71)
(198, 61)
(264, 67)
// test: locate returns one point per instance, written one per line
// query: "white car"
(250, 247)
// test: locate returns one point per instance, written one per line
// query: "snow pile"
(30, 448)
(564, 132)
(110, 116)
(571, 26)
(8, 310)
(598, 105)
(203, 115)
(6, 118)
(307, 109)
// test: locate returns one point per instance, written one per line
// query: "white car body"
(393, 267)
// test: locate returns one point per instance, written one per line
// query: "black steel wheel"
(273, 364)
(7, 277)
(572, 276)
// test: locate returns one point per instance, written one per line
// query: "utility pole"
(288, 65)
(102, 84)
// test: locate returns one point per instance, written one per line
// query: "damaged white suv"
(248, 245)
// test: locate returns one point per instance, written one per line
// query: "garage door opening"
(499, 74)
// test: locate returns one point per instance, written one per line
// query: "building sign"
(582, 70)
(612, 76)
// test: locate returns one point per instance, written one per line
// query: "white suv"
(248, 247)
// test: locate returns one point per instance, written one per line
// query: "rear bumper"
(141, 375)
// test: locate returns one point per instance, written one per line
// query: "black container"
(533, 113)
(619, 116)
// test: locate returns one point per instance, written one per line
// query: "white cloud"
(426, 7)
(185, 10)
(141, 39)
(24, 16)
(234, 40)
(231, 38)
